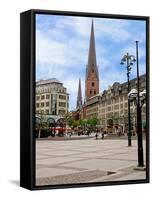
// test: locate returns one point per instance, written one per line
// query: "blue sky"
(62, 44)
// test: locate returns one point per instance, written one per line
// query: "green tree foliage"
(75, 123)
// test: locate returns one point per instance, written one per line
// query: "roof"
(47, 81)
(120, 86)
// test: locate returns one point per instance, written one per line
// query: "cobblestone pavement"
(87, 160)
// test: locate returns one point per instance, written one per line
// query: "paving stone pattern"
(87, 160)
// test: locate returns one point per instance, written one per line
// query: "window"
(116, 100)
(38, 97)
(94, 91)
(62, 97)
(47, 96)
(53, 103)
(116, 114)
(47, 104)
(90, 91)
(103, 103)
(108, 102)
(116, 107)
(121, 111)
(62, 104)
(93, 84)
(42, 97)
(37, 105)
(42, 104)
(109, 108)
(121, 105)
(103, 110)
(125, 111)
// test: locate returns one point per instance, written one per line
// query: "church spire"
(92, 63)
(92, 75)
(79, 97)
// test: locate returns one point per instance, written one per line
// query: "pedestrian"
(102, 135)
(96, 136)
(119, 132)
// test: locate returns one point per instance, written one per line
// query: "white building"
(51, 97)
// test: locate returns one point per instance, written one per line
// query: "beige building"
(51, 97)
(113, 106)
(91, 107)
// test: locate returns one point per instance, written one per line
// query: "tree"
(76, 123)
(40, 123)
(93, 122)
(69, 119)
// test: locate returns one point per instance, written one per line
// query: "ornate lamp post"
(129, 60)
(139, 98)
(133, 96)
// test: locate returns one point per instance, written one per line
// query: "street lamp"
(129, 60)
(139, 99)
(133, 96)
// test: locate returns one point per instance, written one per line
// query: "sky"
(62, 45)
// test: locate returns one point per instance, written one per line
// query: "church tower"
(92, 75)
(79, 97)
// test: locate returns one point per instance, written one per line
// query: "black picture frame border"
(27, 98)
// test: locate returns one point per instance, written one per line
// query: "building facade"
(92, 106)
(51, 97)
(113, 106)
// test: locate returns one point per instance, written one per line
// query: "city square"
(90, 118)
(86, 160)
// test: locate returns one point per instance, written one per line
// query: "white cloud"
(67, 53)
(115, 29)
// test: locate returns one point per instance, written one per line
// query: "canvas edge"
(29, 182)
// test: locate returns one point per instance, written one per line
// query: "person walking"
(102, 135)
